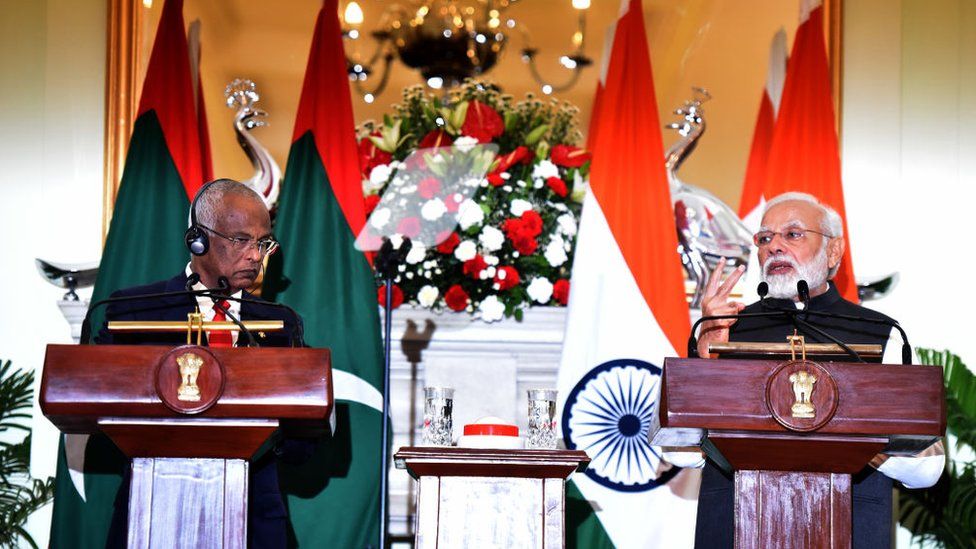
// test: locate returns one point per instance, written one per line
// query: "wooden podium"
(472, 497)
(189, 417)
(794, 431)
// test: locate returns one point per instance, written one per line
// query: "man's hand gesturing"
(716, 302)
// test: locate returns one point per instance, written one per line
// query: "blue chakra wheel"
(608, 415)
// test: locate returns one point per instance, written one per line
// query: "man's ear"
(835, 252)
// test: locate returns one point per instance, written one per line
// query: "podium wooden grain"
(490, 498)
(189, 473)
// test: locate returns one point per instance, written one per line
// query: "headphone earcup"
(196, 241)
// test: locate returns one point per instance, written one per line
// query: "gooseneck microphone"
(222, 286)
(803, 292)
(792, 314)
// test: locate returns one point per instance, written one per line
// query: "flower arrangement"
(513, 241)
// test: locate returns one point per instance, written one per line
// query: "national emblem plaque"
(189, 379)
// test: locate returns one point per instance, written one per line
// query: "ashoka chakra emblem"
(608, 415)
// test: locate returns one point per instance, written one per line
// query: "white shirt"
(206, 305)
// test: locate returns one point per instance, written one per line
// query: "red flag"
(325, 109)
(628, 178)
(804, 154)
(762, 136)
(169, 90)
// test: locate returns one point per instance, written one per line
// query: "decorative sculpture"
(708, 229)
(242, 94)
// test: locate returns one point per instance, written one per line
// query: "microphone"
(251, 342)
(763, 291)
(223, 284)
(191, 281)
(803, 292)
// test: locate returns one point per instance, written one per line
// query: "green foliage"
(20, 495)
(945, 514)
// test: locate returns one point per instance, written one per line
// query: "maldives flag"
(627, 312)
(804, 155)
(167, 161)
(753, 196)
(333, 499)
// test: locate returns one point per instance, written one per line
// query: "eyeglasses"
(266, 246)
(793, 235)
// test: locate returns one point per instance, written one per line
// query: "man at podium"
(228, 239)
(801, 244)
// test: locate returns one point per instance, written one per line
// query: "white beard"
(784, 286)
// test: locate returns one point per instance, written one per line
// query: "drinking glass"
(542, 419)
(438, 422)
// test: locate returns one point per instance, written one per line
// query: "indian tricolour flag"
(627, 312)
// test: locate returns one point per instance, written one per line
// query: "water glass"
(438, 422)
(542, 419)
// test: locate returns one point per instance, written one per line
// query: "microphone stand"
(388, 261)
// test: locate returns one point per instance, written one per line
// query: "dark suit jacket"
(267, 515)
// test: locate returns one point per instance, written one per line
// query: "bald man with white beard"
(802, 239)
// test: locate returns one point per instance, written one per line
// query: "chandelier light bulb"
(581, 4)
(353, 14)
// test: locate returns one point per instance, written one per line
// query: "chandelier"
(447, 41)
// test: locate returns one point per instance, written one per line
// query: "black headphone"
(195, 237)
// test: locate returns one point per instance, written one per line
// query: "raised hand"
(715, 301)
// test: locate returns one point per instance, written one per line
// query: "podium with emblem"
(190, 418)
(794, 431)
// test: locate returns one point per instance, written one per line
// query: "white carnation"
(466, 250)
(433, 209)
(491, 309)
(465, 143)
(520, 206)
(566, 224)
(555, 252)
(491, 238)
(544, 170)
(540, 290)
(469, 214)
(379, 218)
(378, 176)
(416, 253)
(427, 296)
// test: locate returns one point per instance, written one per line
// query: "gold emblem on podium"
(802, 390)
(189, 370)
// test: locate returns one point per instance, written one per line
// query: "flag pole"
(388, 261)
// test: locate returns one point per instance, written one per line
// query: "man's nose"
(254, 253)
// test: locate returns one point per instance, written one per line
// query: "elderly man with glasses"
(228, 239)
(802, 239)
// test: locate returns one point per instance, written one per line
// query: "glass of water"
(438, 422)
(542, 419)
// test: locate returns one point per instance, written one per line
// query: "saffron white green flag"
(627, 312)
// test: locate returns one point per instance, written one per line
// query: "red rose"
(474, 266)
(435, 139)
(532, 222)
(456, 298)
(371, 202)
(495, 178)
(370, 156)
(558, 186)
(560, 291)
(506, 277)
(409, 227)
(451, 202)
(448, 245)
(482, 122)
(397, 296)
(429, 187)
(569, 156)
